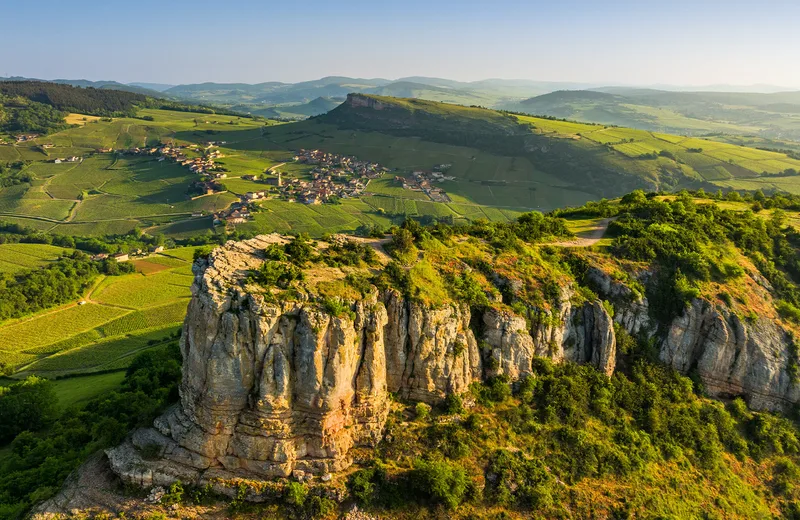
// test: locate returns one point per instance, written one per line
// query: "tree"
(28, 405)
(403, 241)
(635, 197)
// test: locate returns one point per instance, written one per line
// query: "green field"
(712, 160)
(19, 257)
(75, 391)
(123, 315)
(108, 194)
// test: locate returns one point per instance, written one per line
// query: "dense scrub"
(690, 243)
(573, 443)
(39, 459)
(26, 405)
(20, 115)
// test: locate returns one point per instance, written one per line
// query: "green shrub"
(422, 411)
(493, 390)
(295, 493)
(788, 311)
(467, 289)
(365, 484)
(320, 507)
(453, 404)
(273, 273)
(626, 344)
(440, 482)
(513, 479)
(174, 495)
(451, 440)
(299, 250)
(30, 404)
(202, 252)
(785, 475)
(338, 308)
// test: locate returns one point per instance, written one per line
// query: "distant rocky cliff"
(271, 389)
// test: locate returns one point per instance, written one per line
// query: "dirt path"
(588, 238)
(272, 168)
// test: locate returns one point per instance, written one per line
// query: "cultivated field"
(122, 315)
(19, 257)
(724, 164)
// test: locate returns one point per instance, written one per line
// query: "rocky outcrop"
(733, 357)
(273, 388)
(582, 334)
(270, 389)
(362, 101)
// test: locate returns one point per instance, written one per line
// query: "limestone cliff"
(274, 387)
(731, 356)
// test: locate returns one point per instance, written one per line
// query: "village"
(422, 180)
(333, 177)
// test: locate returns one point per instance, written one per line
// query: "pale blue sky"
(678, 42)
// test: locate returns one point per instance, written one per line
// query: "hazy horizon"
(758, 87)
(732, 43)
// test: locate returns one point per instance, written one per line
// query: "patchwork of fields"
(482, 178)
(121, 316)
(722, 163)
(110, 194)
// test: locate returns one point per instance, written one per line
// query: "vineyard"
(19, 257)
(121, 316)
(714, 161)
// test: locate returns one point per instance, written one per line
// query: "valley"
(543, 164)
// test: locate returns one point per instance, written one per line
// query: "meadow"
(76, 391)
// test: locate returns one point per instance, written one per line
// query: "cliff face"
(270, 389)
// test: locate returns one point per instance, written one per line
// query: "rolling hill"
(136, 88)
(314, 107)
(70, 98)
(605, 161)
(277, 95)
(773, 116)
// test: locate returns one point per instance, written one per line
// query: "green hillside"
(774, 116)
(594, 159)
(314, 107)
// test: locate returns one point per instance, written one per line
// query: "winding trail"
(588, 238)
(272, 168)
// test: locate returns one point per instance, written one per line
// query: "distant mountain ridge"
(770, 114)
